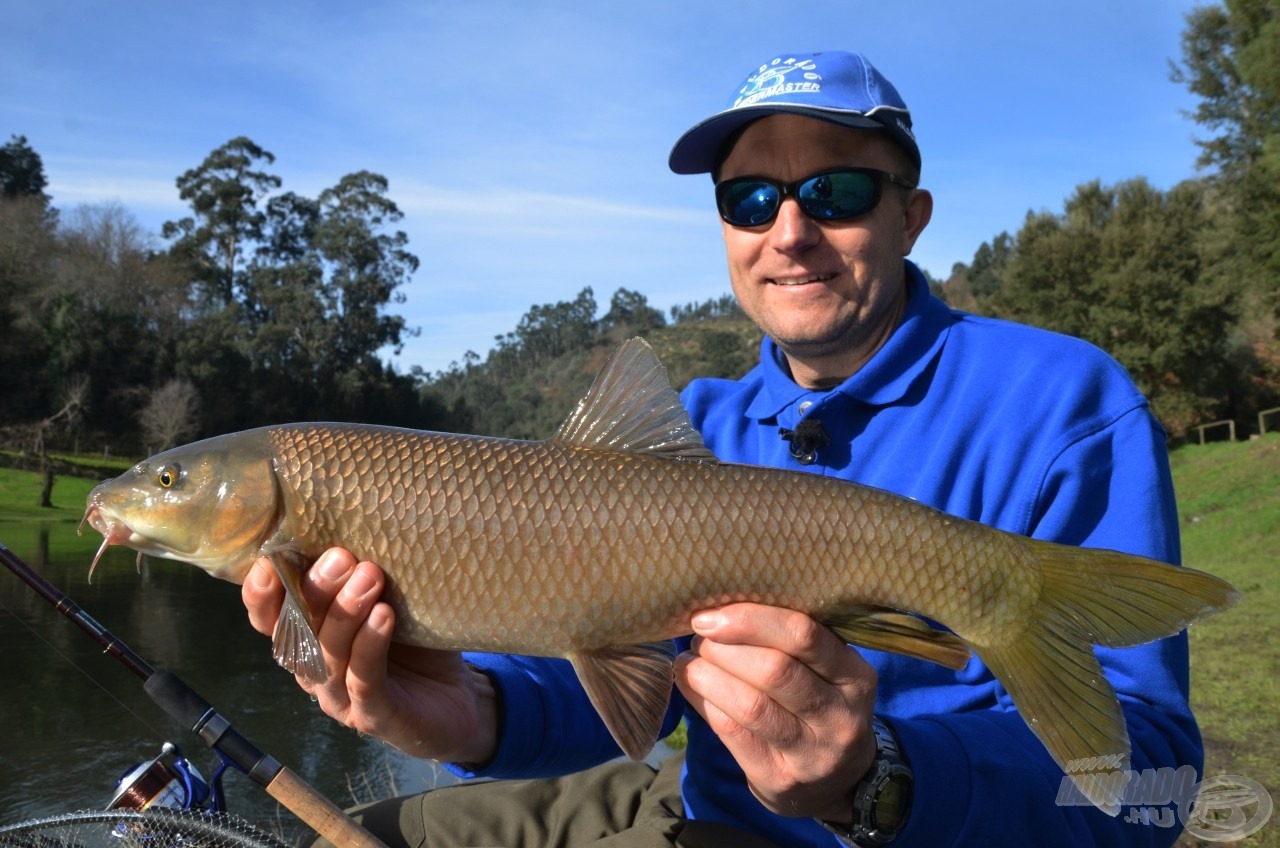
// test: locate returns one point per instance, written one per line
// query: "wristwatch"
(882, 799)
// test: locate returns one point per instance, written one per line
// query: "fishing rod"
(182, 702)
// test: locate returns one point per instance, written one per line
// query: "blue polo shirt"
(1022, 429)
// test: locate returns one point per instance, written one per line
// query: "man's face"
(829, 294)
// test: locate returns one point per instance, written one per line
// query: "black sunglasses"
(835, 195)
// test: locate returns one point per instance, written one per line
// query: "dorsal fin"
(632, 407)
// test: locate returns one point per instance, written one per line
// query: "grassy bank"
(1229, 501)
(20, 493)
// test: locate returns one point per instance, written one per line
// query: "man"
(795, 739)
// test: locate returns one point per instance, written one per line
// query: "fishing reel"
(175, 785)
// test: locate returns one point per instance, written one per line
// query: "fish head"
(212, 504)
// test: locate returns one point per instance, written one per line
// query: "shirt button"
(804, 407)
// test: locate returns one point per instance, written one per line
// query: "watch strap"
(888, 765)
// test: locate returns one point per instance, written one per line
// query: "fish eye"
(168, 476)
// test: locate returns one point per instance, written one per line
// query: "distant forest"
(262, 305)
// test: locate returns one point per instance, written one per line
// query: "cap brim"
(697, 150)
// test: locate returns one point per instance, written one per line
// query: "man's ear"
(916, 214)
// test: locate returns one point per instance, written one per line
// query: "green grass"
(1229, 501)
(20, 493)
(21, 520)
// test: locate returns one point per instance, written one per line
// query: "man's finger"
(263, 596)
(788, 631)
(367, 666)
(347, 614)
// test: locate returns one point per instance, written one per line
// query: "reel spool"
(157, 784)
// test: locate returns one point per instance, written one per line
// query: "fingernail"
(707, 620)
(262, 576)
(360, 583)
(331, 565)
(380, 619)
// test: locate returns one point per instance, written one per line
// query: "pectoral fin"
(630, 687)
(883, 629)
(294, 644)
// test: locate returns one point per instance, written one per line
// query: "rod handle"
(320, 814)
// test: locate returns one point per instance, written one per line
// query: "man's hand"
(424, 702)
(790, 701)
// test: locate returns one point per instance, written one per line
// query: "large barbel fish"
(599, 543)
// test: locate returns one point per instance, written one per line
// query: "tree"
(547, 332)
(69, 417)
(288, 332)
(224, 192)
(973, 287)
(725, 354)
(22, 171)
(725, 306)
(291, 291)
(171, 415)
(114, 310)
(1052, 279)
(367, 266)
(315, 299)
(1160, 315)
(631, 310)
(28, 244)
(1231, 59)
(1121, 267)
(986, 274)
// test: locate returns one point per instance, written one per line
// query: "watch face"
(893, 803)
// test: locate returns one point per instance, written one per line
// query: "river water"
(73, 719)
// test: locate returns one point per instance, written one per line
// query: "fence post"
(1231, 428)
(1262, 419)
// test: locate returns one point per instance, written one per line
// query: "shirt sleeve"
(547, 725)
(982, 777)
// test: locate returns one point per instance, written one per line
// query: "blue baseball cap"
(836, 86)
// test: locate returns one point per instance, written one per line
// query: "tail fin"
(1093, 597)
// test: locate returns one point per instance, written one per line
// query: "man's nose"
(792, 229)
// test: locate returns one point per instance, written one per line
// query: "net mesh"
(154, 828)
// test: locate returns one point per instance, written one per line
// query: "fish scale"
(599, 543)
(622, 525)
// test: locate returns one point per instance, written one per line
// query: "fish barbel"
(599, 543)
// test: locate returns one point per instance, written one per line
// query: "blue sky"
(526, 141)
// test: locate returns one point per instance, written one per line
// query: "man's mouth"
(802, 280)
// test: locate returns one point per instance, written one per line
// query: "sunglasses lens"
(839, 195)
(747, 203)
(832, 196)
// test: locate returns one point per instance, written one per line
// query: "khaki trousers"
(616, 805)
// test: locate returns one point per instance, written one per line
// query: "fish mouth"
(113, 530)
(116, 531)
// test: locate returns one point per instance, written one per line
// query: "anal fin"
(630, 687)
(883, 629)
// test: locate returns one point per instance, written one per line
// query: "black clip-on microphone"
(806, 440)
